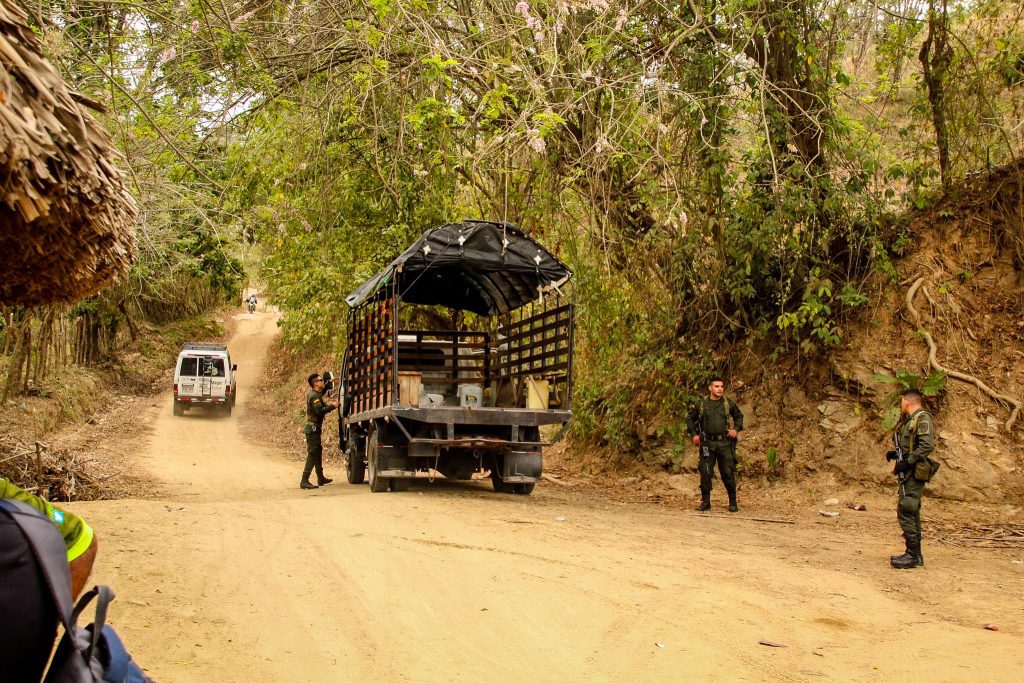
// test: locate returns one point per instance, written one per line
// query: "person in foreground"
(28, 617)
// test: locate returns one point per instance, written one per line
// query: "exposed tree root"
(1011, 404)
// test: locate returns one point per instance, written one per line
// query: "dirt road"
(234, 574)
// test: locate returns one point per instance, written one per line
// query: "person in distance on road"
(714, 423)
(317, 406)
(917, 441)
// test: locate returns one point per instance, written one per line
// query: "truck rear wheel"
(356, 467)
(179, 409)
(377, 484)
(496, 482)
(399, 484)
(523, 489)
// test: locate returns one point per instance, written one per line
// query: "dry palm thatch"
(66, 218)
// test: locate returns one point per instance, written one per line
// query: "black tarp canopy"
(484, 267)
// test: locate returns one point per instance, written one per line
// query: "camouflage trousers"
(722, 453)
(908, 511)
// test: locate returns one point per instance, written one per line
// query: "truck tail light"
(227, 391)
(175, 388)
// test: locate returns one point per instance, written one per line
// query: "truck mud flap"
(522, 467)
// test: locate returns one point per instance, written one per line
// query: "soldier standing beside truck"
(714, 423)
(317, 406)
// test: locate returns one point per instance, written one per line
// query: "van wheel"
(227, 410)
(179, 410)
(377, 484)
(356, 467)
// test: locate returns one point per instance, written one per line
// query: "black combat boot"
(305, 484)
(906, 546)
(912, 558)
(323, 481)
(733, 507)
(705, 504)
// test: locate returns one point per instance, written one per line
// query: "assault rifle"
(704, 451)
(897, 454)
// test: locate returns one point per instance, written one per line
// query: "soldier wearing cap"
(317, 406)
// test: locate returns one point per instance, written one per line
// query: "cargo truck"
(475, 394)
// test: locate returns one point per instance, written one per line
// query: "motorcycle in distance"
(251, 303)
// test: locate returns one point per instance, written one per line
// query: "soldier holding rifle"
(914, 442)
(714, 424)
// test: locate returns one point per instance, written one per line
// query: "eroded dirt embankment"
(821, 421)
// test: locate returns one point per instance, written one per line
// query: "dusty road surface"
(234, 574)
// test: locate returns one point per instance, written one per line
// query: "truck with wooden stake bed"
(458, 355)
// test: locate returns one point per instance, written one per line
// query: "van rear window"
(205, 366)
(188, 367)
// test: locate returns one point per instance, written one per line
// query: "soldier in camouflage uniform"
(917, 441)
(719, 420)
(317, 406)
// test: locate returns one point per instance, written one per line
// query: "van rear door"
(202, 377)
(188, 371)
(214, 377)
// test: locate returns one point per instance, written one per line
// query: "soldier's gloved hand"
(902, 467)
(891, 455)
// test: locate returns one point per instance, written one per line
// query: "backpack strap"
(50, 553)
(912, 423)
(104, 596)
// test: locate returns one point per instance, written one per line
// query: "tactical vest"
(729, 422)
(927, 468)
(912, 434)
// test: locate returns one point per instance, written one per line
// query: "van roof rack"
(201, 346)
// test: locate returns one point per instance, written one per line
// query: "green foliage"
(210, 259)
(813, 319)
(932, 385)
(715, 173)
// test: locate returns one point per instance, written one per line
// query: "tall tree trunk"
(10, 338)
(133, 331)
(936, 56)
(796, 109)
(15, 383)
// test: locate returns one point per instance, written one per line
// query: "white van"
(204, 375)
